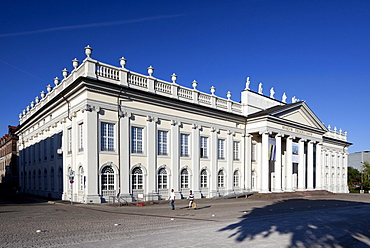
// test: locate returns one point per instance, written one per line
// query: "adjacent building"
(357, 159)
(9, 158)
(106, 131)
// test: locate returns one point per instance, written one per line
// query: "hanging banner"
(295, 149)
(272, 149)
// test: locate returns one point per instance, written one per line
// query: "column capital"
(247, 135)
(302, 140)
(265, 132)
(279, 135)
(290, 137)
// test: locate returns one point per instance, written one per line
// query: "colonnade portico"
(282, 169)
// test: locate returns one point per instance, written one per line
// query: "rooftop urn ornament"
(260, 88)
(20, 116)
(28, 109)
(122, 62)
(228, 95)
(173, 78)
(65, 73)
(49, 88)
(247, 83)
(32, 104)
(294, 99)
(24, 112)
(150, 70)
(75, 63)
(88, 51)
(213, 90)
(272, 93)
(329, 127)
(56, 81)
(283, 99)
(37, 99)
(42, 93)
(194, 84)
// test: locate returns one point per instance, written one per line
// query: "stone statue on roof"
(247, 83)
(283, 99)
(272, 93)
(260, 88)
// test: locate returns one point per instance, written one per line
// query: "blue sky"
(317, 51)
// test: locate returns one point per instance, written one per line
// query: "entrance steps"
(295, 194)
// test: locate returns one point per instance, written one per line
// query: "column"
(310, 165)
(278, 174)
(265, 163)
(213, 160)
(289, 164)
(92, 155)
(301, 167)
(151, 145)
(175, 156)
(125, 161)
(247, 159)
(196, 160)
(229, 163)
(318, 167)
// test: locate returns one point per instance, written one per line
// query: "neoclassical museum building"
(105, 131)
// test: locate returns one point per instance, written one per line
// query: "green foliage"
(354, 178)
(366, 175)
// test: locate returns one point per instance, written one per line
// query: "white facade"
(127, 134)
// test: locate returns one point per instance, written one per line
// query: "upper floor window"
(203, 147)
(254, 152)
(80, 137)
(162, 143)
(137, 140)
(107, 136)
(184, 145)
(221, 149)
(69, 136)
(236, 145)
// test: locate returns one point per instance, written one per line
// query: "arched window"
(236, 179)
(60, 180)
(39, 179)
(52, 183)
(45, 179)
(107, 181)
(221, 179)
(162, 179)
(203, 179)
(137, 178)
(29, 180)
(82, 178)
(184, 179)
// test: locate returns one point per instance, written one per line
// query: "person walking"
(191, 200)
(172, 199)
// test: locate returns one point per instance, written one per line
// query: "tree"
(366, 175)
(354, 178)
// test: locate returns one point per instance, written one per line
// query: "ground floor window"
(184, 179)
(107, 181)
(236, 179)
(137, 178)
(203, 179)
(221, 179)
(162, 179)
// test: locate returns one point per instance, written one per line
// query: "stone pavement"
(338, 220)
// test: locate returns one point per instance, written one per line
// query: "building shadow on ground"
(309, 223)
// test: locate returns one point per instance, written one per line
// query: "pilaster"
(301, 166)
(196, 160)
(151, 148)
(319, 174)
(310, 165)
(125, 161)
(289, 164)
(278, 166)
(265, 163)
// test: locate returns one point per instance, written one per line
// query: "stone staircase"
(296, 194)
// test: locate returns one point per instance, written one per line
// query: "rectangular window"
(52, 146)
(80, 137)
(221, 149)
(203, 147)
(137, 140)
(184, 145)
(236, 146)
(162, 143)
(107, 137)
(69, 136)
(45, 149)
(254, 152)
